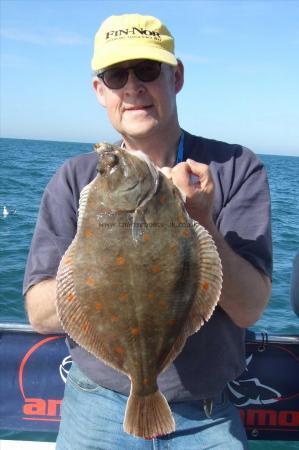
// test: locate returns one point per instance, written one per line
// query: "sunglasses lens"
(115, 78)
(118, 77)
(148, 70)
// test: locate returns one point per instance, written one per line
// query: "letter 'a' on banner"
(34, 367)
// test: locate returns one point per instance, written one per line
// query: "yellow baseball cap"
(132, 36)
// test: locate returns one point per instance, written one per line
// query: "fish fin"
(209, 281)
(175, 350)
(83, 202)
(206, 296)
(73, 318)
(148, 416)
(69, 309)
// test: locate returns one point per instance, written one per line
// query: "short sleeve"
(245, 218)
(57, 219)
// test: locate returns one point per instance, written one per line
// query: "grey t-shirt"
(215, 354)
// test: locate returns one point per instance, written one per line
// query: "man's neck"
(162, 150)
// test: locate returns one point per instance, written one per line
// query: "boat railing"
(35, 367)
(251, 336)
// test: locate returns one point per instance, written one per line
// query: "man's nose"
(134, 84)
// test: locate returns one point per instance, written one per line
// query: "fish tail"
(148, 416)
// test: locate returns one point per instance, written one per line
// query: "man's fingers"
(166, 171)
(197, 168)
(181, 177)
(194, 179)
(189, 176)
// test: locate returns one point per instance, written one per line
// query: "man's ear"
(179, 76)
(99, 91)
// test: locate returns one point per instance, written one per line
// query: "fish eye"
(107, 161)
(112, 160)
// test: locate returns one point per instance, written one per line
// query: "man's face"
(141, 108)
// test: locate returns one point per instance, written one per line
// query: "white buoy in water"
(5, 211)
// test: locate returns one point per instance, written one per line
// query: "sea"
(26, 166)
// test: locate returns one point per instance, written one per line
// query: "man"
(136, 79)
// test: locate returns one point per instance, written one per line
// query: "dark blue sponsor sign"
(33, 369)
(31, 387)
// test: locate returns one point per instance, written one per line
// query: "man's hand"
(195, 180)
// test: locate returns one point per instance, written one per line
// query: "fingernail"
(189, 160)
(194, 179)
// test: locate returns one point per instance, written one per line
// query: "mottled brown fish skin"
(139, 277)
(141, 292)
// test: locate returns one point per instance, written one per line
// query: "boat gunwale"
(251, 336)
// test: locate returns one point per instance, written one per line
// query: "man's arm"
(246, 290)
(40, 306)
(55, 229)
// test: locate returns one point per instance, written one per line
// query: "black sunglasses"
(117, 77)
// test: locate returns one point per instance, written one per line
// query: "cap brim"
(105, 59)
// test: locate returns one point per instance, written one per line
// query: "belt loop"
(208, 407)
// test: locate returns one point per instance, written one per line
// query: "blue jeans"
(92, 419)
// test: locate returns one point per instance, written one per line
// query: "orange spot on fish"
(90, 281)
(120, 260)
(162, 303)
(156, 268)
(151, 295)
(172, 322)
(186, 233)
(145, 381)
(88, 233)
(135, 331)
(98, 306)
(119, 349)
(85, 327)
(162, 199)
(123, 296)
(146, 237)
(114, 318)
(70, 297)
(205, 286)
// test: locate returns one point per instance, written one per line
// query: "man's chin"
(140, 131)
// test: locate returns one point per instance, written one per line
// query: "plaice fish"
(139, 277)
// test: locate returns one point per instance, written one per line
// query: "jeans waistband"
(86, 384)
(207, 404)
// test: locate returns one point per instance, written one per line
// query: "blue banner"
(32, 372)
(267, 393)
(34, 367)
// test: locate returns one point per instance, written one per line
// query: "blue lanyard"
(180, 153)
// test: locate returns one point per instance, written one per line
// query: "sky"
(241, 63)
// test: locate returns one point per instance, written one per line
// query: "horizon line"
(296, 155)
